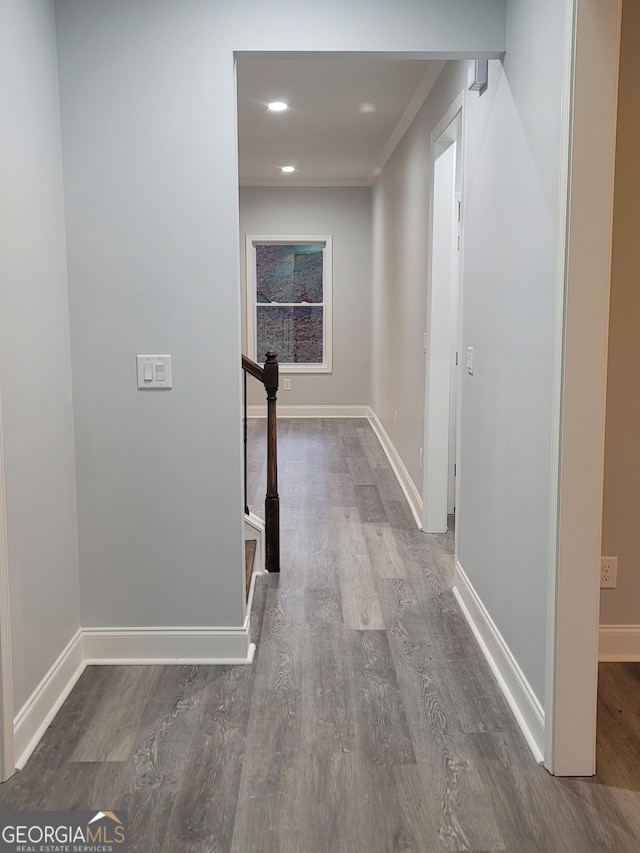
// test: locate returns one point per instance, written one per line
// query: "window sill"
(288, 369)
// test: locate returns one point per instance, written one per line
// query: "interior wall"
(345, 214)
(620, 527)
(150, 154)
(152, 253)
(400, 270)
(511, 251)
(35, 363)
(510, 218)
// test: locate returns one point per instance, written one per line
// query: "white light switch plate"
(470, 361)
(154, 372)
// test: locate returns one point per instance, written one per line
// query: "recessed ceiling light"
(288, 168)
(278, 106)
(367, 107)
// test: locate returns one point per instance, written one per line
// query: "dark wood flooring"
(369, 721)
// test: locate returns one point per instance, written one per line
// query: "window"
(289, 301)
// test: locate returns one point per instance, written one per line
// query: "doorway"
(443, 323)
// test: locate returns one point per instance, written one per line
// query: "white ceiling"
(323, 133)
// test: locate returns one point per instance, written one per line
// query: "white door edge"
(435, 495)
(7, 762)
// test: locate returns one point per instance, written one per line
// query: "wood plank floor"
(369, 721)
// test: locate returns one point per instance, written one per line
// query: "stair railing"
(268, 376)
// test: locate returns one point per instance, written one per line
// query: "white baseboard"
(155, 646)
(619, 643)
(36, 715)
(284, 411)
(253, 524)
(145, 646)
(254, 529)
(523, 702)
(413, 496)
(411, 493)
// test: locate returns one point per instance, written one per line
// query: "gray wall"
(510, 219)
(511, 251)
(621, 516)
(35, 369)
(400, 266)
(345, 214)
(152, 253)
(148, 115)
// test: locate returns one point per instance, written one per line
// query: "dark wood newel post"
(272, 501)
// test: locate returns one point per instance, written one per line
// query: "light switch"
(154, 372)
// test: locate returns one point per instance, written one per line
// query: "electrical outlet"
(420, 459)
(286, 385)
(395, 418)
(608, 572)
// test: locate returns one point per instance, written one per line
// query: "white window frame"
(253, 240)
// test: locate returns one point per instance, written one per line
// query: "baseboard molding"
(155, 646)
(254, 529)
(144, 646)
(619, 643)
(284, 411)
(254, 522)
(524, 704)
(33, 719)
(411, 493)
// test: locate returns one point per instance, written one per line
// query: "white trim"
(154, 646)
(398, 467)
(619, 643)
(260, 411)
(251, 240)
(572, 639)
(141, 646)
(254, 522)
(44, 703)
(254, 529)
(439, 333)
(447, 118)
(291, 181)
(7, 746)
(417, 100)
(558, 367)
(523, 702)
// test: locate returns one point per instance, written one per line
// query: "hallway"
(369, 721)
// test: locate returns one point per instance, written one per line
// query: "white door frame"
(592, 40)
(592, 36)
(7, 762)
(437, 370)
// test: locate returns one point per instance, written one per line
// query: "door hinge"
(456, 359)
(455, 469)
